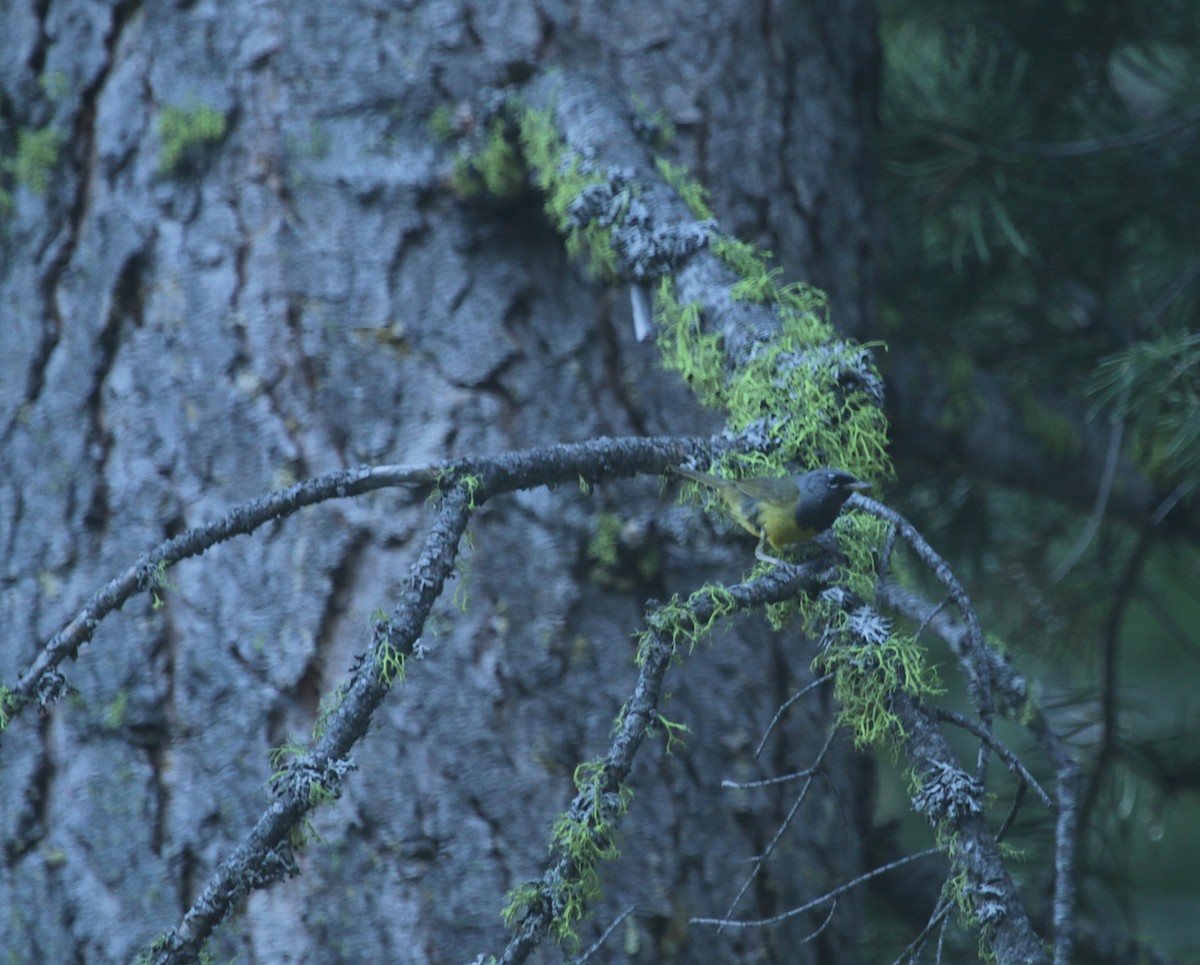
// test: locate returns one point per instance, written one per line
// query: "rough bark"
(303, 294)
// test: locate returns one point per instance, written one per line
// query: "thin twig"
(1096, 517)
(595, 947)
(1006, 755)
(816, 902)
(783, 709)
(761, 859)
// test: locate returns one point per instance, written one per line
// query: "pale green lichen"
(585, 836)
(682, 624)
(866, 675)
(687, 349)
(391, 664)
(606, 540)
(694, 194)
(10, 703)
(496, 167)
(563, 177)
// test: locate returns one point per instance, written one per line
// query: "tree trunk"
(198, 312)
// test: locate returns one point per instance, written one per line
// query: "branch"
(1066, 769)
(592, 461)
(978, 660)
(315, 777)
(820, 900)
(265, 854)
(640, 713)
(952, 801)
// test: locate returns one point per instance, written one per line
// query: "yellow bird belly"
(779, 522)
(756, 516)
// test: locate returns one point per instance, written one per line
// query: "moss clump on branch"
(867, 672)
(682, 624)
(686, 348)
(582, 837)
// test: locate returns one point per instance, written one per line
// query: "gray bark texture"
(305, 293)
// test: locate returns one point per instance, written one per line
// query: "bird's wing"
(780, 492)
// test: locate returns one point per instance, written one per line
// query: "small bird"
(783, 510)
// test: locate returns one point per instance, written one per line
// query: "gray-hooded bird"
(784, 510)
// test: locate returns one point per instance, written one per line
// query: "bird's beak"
(858, 485)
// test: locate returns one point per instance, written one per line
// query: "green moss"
(331, 703)
(494, 167)
(747, 261)
(391, 664)
(55, 85)
(679, 623)
(522, 899)
(795, 397)
(585, 835)
(606, 540)
(181, 129)
(860, 536)
(114, 716)
(676, 732)
(442, 124)
(653, 126)
(37, 152)
(563, 177)
(10, 703)
(694, 194)
(157, 582)
(866, 674)
(793, 392)
(279, 756)
(687, 349)
(525, 146)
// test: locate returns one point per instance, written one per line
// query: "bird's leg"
(760, 551)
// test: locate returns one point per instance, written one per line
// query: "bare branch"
(760, 860)
(816, 902)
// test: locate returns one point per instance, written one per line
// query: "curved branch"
(950, 799)
(314, 777)
(591, 461)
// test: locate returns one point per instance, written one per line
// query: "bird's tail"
(701, 477)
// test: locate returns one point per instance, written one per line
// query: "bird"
(783, 510)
